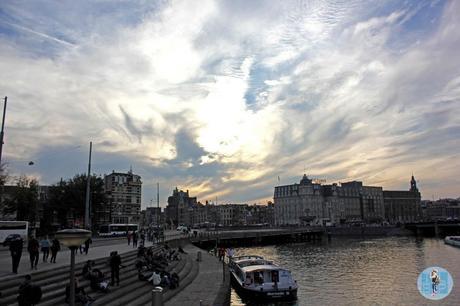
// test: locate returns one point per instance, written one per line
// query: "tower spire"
(413, 184)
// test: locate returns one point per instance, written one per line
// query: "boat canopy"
(250, 269)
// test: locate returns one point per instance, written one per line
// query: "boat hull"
(255, 295)
(455, 242)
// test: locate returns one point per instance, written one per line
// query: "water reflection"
(380, 271)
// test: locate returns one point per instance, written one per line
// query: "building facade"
(441, 210)
(311, 203)
(124, 194)
(180, 208)
(403, 206)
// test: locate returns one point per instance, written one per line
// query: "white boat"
(256, 278)
(452, 240)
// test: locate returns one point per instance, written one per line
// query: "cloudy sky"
(224, 97)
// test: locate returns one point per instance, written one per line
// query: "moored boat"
(452, 240)
(254, 277)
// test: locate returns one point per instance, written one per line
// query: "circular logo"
(435, 283)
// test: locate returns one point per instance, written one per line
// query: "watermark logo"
(435, 283)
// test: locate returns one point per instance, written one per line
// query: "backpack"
(35, 294)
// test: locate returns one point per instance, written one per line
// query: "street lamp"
(72, 238)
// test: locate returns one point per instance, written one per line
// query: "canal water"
(376, 271)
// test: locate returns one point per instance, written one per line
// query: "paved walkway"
(63, 257)
(205, 286)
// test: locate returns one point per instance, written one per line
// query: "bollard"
(198, 256)
(157, 296)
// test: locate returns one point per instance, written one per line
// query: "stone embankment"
(200, 281)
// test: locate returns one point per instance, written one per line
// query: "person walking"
(55, 248)
(33, 248)
(16, 252)
(128, 235)
(87, 243)
(134, 239)
(45, 246)
(115, 264)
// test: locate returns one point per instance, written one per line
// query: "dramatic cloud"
(224, 97)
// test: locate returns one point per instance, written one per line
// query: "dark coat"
(16, 247)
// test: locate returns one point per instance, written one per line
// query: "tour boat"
(256, 278)
(452, 240)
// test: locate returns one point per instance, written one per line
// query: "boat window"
(275, 277)
(248, 280)
(258, 277)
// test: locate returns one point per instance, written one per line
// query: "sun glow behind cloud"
(222, 97)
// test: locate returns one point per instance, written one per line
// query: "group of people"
(34, 247)
(95, 276)
(97, 279)
(135, 237)
(221, 252)
(152, 266)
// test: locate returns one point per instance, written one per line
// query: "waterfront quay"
(202, 282)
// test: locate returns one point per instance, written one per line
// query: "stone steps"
(145, 297)
(129, 289)
(57, 296)
(54, 281)
(184, 283)
(141, 287)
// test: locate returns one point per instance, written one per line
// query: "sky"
(230, 98)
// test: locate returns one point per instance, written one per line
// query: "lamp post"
(72, 238)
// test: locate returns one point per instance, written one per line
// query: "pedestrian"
(230, 253)
(33, 248)
(87, 268)
(128, 235)
(115, 264)
(29, 293)
(221, 254)
(16, 252)
(55, 248)
(87, 243)
(45, 246)
(134, 239)
(142, 239)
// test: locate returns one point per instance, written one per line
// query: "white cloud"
(272, 88)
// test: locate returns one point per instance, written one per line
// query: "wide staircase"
(131, 290)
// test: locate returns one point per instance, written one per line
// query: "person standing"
(230, 253)
(221, 254)
(115, 263)
(142, 239)
(134, 239)
(33, 248)
(87, 243)
(16, 253)
(55, 248)
(45, 246)
(435, 280)
(128, 235)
